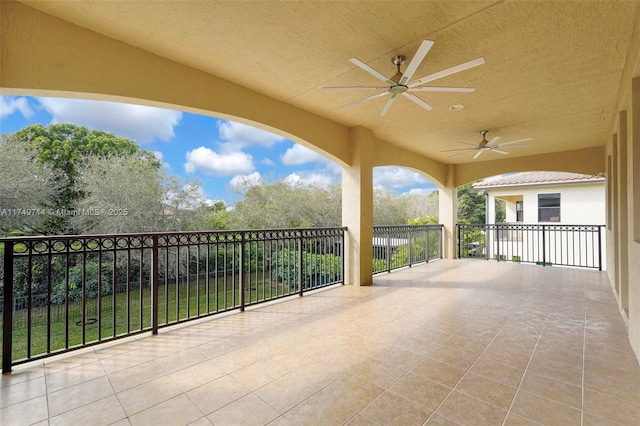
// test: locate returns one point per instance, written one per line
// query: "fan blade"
(499, 152)
(459, 149)
(416, 61)
(470, 144)
(460, 153)
(364, 100)
(356, 88)
(416, 100)
(387, 105)
(492, 141)
(516, 146)
(516, 141)
(443, 89)
(478, 154)
(371, 71)
(447, 72)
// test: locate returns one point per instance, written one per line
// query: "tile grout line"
(478, 357)
(528, 363)
(584, 357)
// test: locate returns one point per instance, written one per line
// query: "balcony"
(448, 342)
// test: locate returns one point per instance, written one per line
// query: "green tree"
(28, 189)
(120, 194)
(285, 205)
(471, 204)
(66, 148)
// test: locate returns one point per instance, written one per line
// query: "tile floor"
(451, 342)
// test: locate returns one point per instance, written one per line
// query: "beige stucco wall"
(622, 155)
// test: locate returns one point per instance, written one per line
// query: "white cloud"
(396, 177)
(299, 154)
(241, 183)
(236, 136)
(10, 104)
(211, 163)
(316, 179)
(141, 123)
(419, 191)
(267, 162)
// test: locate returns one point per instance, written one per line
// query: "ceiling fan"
(401, 83)
(491, 145)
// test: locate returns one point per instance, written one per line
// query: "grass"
(133, 312)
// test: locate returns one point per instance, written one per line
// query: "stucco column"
(448, 213)
(357, 208)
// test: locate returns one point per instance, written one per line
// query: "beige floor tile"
(22, 391)
(75, 396)
(553, 389)
(258, 374)
(378, 373)
(361, 420)
(134, 376)
(487, 390)
(125, 360)
(505, 356)
(611, 408)
(457, 358)
(465, 409)
(248, 410)
(445, 374)
(175, 411)
(21, 374)
(147, 395)
(286, 392)
(516, 420)
(399, 357)
(627, 388)
(182, 359)
(438, 420)
(564, 372)
(320, 409)
(25, 413)
(420, 390)
(216, 394)
(383, 333)
(499, 372)
(392, 409)
(544, 410)
(593, 420)
(74, 376)
(102, 412)
(353, 391)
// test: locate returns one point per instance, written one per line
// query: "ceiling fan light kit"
(401, 83)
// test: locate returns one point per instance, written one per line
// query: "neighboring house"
(543, 200)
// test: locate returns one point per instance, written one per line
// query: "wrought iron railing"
(399, 246)
(564, 245)
(67, 292)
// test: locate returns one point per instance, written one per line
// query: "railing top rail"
(530, 225)
(161, 234)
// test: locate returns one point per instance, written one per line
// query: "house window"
(548, 207)
(519, 211)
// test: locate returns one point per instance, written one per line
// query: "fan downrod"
(484, 141)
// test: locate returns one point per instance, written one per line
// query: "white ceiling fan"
(401, 83)
(491, 145)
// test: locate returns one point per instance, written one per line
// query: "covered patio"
(448, 342)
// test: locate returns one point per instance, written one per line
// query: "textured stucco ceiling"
(552, 72)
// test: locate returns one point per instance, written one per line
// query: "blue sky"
(219, 153)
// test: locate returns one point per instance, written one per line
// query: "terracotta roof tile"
(536, 178)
